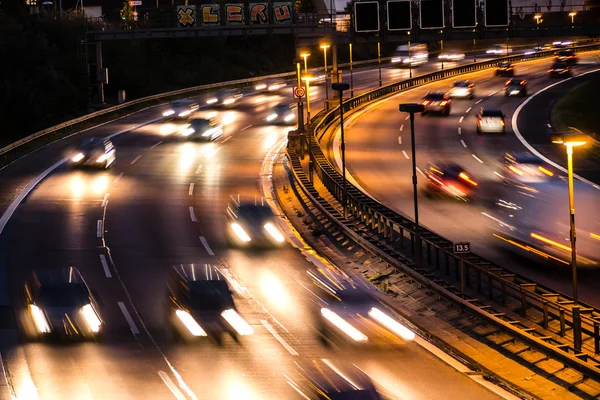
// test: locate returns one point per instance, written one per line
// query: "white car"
(499, 49)
(490, 121)
(462, 90)
(452, 55)
(180, 109)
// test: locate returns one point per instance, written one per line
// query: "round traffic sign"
(299, 92)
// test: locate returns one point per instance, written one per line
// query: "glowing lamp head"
(573, 140)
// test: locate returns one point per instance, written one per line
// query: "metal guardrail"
(546, 306)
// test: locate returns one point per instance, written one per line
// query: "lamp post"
(379, 61)
(340, 87)
(409, 62)
(308, 79)
(474, 54)
(325, 47)
(305, 56)
(300, 105)
(413, 108)
(570, 141)
(538, 19)
(572, 15)
(351, 74)
(442, 51)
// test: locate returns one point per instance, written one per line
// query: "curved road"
(378, 155)
(125, 227)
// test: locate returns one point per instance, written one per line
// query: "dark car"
(567, 56)
(515, 87)
(491, 120)
(60, 304)
(270, 85)
(505, 68)
(449, 180)
(224, 97)
(559, 69)
(521, 168)
(321, 379)
(94, 153)
(252, 225)
(201, 305)
(180, 108)
(436, 102)
(203, 129)
(282, 113)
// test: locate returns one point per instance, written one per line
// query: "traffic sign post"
(299, 92)
(460, 249)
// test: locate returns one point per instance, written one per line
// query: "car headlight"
(78, 157)
(237, 322)
(229, 100)
(396, 59)
(344, 326)
(262, 86)
(190, 323)
(91, 318)
(39, 319)
(239, 231)
(101, 159)
(272, 117)
(168, 112)
(274, 232)
(188, 131)
(185, 113)
(212, 100)
(289, 117)
(391, 324)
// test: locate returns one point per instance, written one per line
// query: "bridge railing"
(542, 304)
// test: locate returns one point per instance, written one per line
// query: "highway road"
(161, 205)
(379, 158)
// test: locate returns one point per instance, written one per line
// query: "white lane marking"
(461, 120)
(171, 385)
(105, 199)
(401, 127)
(500, 175)
(477, 158)
(407, 117)
(128, 318)
(198, 169)
(118, 178)
(226, 139)
(99, 228)
(468, 110)
(421, 172)
(105, 266)
(206, 246)
(246, 127)
(491, 94)
(399, 139)
(463, 143)
(276, 335)
(191, 189)
(478, 101)
(405, 155)
(135, 160)
(530, 147)
(192, 214)
(157, 144)
(459, 130)
(213, 153)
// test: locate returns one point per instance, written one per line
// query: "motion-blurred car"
(224, 97)
(499, 49)
(252, 225)
(504, 68)
(355, 317)
(436, 102)
(270, 85)
(490, 120)
(203, 129)
(515, 87)
(323, 380)
(180, 108)
(462, 90)
(452, 55)
(201, 305)
(560, 69)
(61, 305)
(282, 113)
(449, 180)
(567, 56)
(524, 168)
(94, 153)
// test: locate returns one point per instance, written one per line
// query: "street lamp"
(300, 115)
(572, 15)
(538, 21)
(305, 56)
(379, 61)
(340, 87)
(570, 141)
(308, 79)
(413, 108)
(351, 74)
(325, 47)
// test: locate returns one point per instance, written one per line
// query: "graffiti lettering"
(234, 13)
(210, 14)
(282, 12)
(258, 14)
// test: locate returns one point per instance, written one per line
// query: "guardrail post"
(491, 286)
(478, 280)
(437, 257)
(523, 302)
(562, 321)
(447, 264)
(576, 328)
(596, 337)
(462, 277)
(545, 322)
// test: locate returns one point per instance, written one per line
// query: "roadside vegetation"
(578, 109)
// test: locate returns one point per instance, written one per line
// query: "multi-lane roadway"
(161, 205)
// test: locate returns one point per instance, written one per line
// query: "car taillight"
(502, 122)
(467, 178)
(551, 69)
(426, 102)
(443, 103)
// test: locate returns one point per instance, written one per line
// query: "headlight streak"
(237, 322)
(168, 113)
(341, 374)
(190, 323)
(78, 157)
(228, 101)
(39, 319)
(274, 232)
(344, 326)
(240, 233)
(101, 159)
(188, 131)
(91, 318)
(550, 242)
(212, 100)
(289, 117)
(272, 117)
(392, 324)
(185, 113)
(260, 87)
